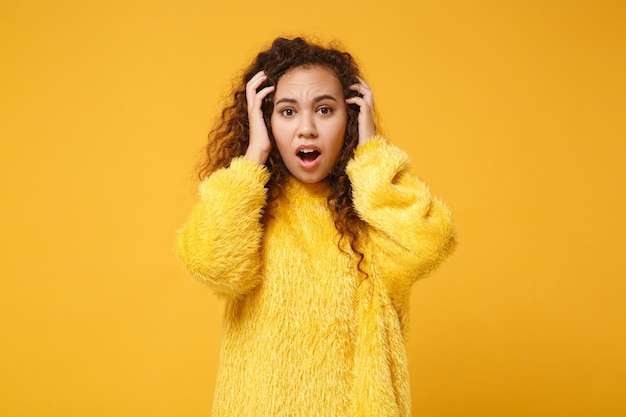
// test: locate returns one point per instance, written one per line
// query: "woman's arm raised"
(410, 232)
(220, 242)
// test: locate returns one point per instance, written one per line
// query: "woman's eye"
(325, 110)
(287, 112)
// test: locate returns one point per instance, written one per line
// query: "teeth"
(307, 150)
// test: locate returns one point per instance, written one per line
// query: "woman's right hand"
(259, 145)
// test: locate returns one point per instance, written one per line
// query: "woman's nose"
(307, 127)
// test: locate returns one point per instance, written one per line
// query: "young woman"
(311, 228)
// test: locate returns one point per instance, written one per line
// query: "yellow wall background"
(513, 112)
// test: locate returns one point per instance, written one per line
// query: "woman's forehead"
(310, 78)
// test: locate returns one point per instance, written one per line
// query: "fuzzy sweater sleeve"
(220, 242)
(410, 231)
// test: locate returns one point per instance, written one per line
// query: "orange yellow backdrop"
(513, 112)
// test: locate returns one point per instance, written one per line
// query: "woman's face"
(309, 121)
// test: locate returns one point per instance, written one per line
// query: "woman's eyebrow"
(315, 100)
(324, 97)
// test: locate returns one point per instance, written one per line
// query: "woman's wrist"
(257, 156)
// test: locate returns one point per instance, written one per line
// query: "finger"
(363, 85)
(367, 128)
(364, 104)
(362, 90)
(256, 81)
(265, 92)
(362, 81)
(365, 93)
(256, 101)
(252, 86)
(256, 77)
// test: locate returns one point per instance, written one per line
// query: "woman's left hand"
(365, 101)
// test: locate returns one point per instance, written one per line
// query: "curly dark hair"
(230, 137)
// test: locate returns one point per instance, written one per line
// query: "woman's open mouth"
(308, 156)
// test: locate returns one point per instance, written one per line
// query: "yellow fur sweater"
(304, 333)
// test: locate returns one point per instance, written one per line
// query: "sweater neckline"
(295, 188)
